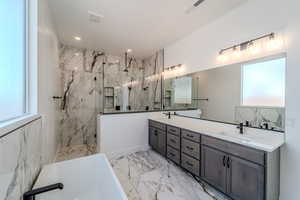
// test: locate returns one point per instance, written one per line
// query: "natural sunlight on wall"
(12, 59)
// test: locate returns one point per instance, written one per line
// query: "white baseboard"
(123, 152)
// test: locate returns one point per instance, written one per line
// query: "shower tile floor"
(148, 176)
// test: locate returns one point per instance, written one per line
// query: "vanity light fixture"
(168, 72)
(173, 71)
(251, 47)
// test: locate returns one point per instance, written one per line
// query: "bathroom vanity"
(244, 167)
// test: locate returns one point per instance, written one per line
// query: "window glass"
(264, 83)
(12, 58)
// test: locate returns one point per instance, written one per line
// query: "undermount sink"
(240, 138)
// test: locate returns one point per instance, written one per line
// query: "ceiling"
(141, 25)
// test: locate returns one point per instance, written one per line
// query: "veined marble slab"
(255, 138)
(148, 176)
(87, 178)
(20, 160)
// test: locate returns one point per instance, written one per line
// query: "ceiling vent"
(195, 5)
(95, 17)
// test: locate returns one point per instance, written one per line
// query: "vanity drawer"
(190, 148)
(173, 155)
(173, 141)
(190, 135)
(173, 130)
(247, 153)
(157, 125)
(190, 164)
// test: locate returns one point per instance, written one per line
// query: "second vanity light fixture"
(169, 72)
(268, 42)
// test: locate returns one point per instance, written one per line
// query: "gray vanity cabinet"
(157, 137)
(240, 172)
(245, 180)
(153, 138)
(241, 178)
(161, 143)
(213, 167)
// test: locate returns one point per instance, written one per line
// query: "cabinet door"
(213, 168)
(161, 144)
(245, 179)
(153, 138)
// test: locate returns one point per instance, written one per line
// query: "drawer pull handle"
(190, 148)
(224, 164)
(188, 163)
(155, 134)
(188, 135)
(173, 141)
(228, 162)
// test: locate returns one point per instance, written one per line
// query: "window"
(12, 59)
(264, 83)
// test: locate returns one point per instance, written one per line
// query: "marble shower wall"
(81, 74)
(20, 160)
(94, 82)
(136, 86)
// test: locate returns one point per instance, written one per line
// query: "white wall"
(48, 80)
(199, 50)
(119, 134)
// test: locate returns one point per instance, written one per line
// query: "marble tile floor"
(148, 176)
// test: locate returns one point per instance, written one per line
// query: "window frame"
(259, 60)
(25, 66)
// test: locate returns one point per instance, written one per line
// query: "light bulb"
(222, 57)
(254, 48)
(237, 52)
(274, 43)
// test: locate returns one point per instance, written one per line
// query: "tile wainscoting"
(21, 160)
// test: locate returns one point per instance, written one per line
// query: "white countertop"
(88, 178)
(256, 138)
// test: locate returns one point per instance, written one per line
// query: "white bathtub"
(88, 178)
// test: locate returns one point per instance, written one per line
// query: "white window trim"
(31, 72)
